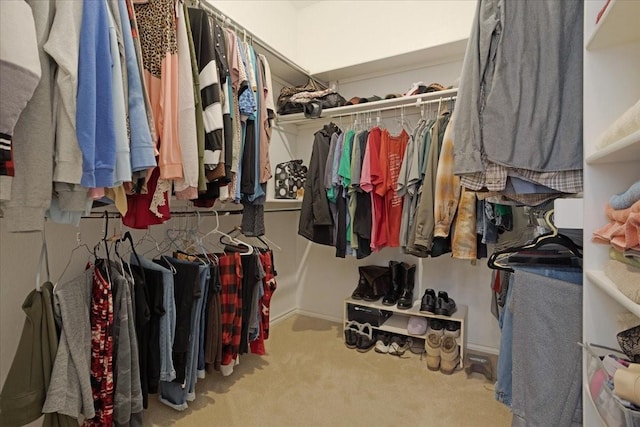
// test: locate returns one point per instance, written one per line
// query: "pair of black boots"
(394, 284)
(403, 278)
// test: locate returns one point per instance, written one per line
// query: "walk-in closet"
(320, 213)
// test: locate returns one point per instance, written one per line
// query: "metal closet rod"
(397, 107)
(174, 214)
(208, 7)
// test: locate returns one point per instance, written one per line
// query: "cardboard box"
(364, 314)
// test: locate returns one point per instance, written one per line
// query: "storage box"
(363, 314)
(613, 413)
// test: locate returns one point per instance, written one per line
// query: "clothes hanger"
(236, 242)
(495, 260)
(79, 244)
(216, 230)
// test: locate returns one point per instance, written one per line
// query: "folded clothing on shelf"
(625, 125)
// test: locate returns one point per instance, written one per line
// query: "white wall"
(273, 21)
(338, 33)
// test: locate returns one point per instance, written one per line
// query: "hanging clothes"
(21, 401)
(316, 223)
(508, 125)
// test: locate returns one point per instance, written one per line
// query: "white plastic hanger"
(233, 240)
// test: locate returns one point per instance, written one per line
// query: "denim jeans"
(197, 335)
(503, 387)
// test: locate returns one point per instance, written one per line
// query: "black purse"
(289, 179)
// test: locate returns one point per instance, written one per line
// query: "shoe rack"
(397, 322)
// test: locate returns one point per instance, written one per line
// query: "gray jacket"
(316, 222)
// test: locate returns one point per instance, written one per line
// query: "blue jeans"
(503, 387)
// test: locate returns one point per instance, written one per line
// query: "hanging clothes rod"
(225, 20)
(413, 101)
(175, 214)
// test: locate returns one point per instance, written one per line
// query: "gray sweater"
(33, 140)
(70, 388)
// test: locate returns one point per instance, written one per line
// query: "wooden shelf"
(607, 285)
(459, 315)
(619, 24)
(626, 149)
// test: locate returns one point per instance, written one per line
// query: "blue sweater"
(142, 146)
(94, 115)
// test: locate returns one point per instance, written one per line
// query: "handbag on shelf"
(293, 99)
(289, 179)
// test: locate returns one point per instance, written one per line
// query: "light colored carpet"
(310, 378)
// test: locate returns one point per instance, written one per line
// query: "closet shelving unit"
(611, 86)
(397, 322)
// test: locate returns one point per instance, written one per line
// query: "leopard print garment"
(157, 26)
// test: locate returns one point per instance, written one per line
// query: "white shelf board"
(620, 23)
(607, 285)
(397, 324)
(626, 149)
(459, 315)
(406, 101)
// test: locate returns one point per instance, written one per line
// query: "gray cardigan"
(70, 388)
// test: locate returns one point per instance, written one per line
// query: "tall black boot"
(408, 280)
(363, 287)
(391, 298)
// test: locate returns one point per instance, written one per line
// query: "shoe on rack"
(408, 277)
(383, 342)
(445, 306)
(433, 351)
(449, 355)
(365, 339)
(391, 297)
(428, 304)
(351, 330)
(360, 290)
(400, 345)
(436, 326)
(378, 279)
(452, 328)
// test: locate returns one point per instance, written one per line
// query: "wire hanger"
(79, 244)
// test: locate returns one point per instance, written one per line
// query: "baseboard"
(484, 349)
(318, 315)
(281, 317)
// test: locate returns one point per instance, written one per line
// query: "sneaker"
(436, 326)
(452, 328)
(399, 346)
(449, 355)
(383, 343)
(445, 306)
(433, 351)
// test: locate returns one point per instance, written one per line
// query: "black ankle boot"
(391, 298)
(408, 280)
